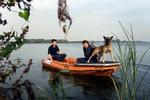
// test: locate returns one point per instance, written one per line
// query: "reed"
(57, 85)
(127, 56)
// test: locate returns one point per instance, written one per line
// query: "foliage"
(24, 14)
(127, 56)
(3, 22)
(23, 5)
(57, 85)
(11, 41)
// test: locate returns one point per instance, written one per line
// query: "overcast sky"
(91, 19)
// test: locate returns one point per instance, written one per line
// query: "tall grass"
(57, 85)
(127, 56)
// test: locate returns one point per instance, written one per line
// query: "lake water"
(76, 88)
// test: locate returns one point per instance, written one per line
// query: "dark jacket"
(88, 51)
(53, 50)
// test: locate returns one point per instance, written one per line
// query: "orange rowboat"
(89, 69)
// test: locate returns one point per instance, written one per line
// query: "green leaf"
(25, 14)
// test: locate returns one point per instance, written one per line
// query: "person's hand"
(51, 60)
(61, 52)
(58, 52)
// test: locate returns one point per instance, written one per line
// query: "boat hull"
(99, 69)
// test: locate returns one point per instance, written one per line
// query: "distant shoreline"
(65, 41)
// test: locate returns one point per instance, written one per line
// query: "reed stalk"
(127, 56)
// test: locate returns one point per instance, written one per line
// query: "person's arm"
(50, 57)
(58, 50)
(49, 54)
(84, 51)
(88, 52)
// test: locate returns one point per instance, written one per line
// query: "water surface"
(76, 87)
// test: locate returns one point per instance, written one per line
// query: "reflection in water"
(18, 90)
(91, 87)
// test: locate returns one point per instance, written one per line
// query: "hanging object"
(65, 21)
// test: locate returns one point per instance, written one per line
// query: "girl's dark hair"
(85, 41)
(53, 40)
